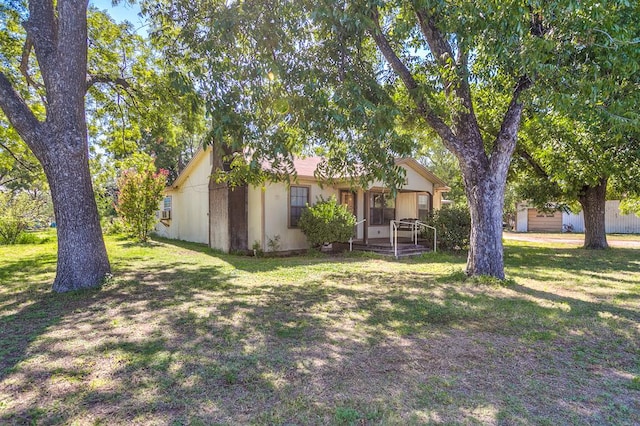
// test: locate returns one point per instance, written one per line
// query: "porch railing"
(414, 226)
(356, 228)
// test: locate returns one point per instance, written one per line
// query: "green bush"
(113, 226)
(29, 238)
(140, 192)
(453, 226)
(327, 222)
(11, 228)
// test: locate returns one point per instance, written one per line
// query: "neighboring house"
(530, 219)
(198, 209)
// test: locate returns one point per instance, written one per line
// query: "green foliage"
(20, 211)
(274, 84)
(113, 226)
(273, 243)
(453, 227)
(630, 205)
(139, 194)
(327, 222)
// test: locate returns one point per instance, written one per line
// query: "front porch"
(406, 246)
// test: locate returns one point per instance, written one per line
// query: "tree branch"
(506, 140)
(42, 28)
(410, 83)
(15, 157)
(535, 166)
(24, 63)
(101, 78)
(458, 81)
(17, 111)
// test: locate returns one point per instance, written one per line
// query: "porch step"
(403, 251)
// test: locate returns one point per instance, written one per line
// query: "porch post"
(365, 224)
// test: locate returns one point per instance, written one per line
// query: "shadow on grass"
(174, 343)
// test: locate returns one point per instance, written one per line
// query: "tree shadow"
(183, 343)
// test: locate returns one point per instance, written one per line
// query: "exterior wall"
(276, 216)
(544, 222)
(254, 216)
(414, 181)
(615, 222)
(190, 206)
(522, 217)
(360, 215)
(219, 208)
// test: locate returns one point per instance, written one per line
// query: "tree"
(582, 135)
(139, 194)
(56, 32)
(563, 161)
(435, 54)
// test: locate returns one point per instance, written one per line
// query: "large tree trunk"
(82, 256)
(593, 202)
(485, 194)
(484, 166)
(58, 33)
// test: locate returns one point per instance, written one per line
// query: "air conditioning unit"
(166, 214)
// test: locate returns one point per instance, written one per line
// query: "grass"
(182, 335)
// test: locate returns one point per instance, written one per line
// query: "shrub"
(327, 222)
(11, 228)
(453, 227)
(140, 192)
(20, 211)
(113, 226)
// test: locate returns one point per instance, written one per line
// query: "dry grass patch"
(185, 336)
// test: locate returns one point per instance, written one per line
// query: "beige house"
(197, 209)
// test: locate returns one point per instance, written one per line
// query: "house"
(198, 209)
(530, 219)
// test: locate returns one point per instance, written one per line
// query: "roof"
(306, 167)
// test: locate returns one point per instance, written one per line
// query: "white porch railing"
(356, 227)
(414, 226)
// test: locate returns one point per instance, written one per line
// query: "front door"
(348, 198)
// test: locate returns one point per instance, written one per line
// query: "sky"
(121, 12)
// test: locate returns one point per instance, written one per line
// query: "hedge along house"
(198, 209)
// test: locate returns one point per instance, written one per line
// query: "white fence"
(615, 222)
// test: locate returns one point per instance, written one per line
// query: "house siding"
(227, 219)
(277, 213)
(190, 206)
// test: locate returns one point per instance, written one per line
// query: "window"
(166, 208)
(298, 200)
(424, 206)
(382, 208)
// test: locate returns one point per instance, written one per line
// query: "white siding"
(522, 223)
(254, 231)
(190, 206)
(277, 213)
(615, 222)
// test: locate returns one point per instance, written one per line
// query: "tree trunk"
(485, 194)
(82, 255)
(593, 202)
(58, 32)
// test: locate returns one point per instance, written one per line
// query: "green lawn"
(182, 335)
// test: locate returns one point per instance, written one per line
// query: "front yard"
(182, 335)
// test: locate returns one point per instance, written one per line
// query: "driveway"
(623, 241)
